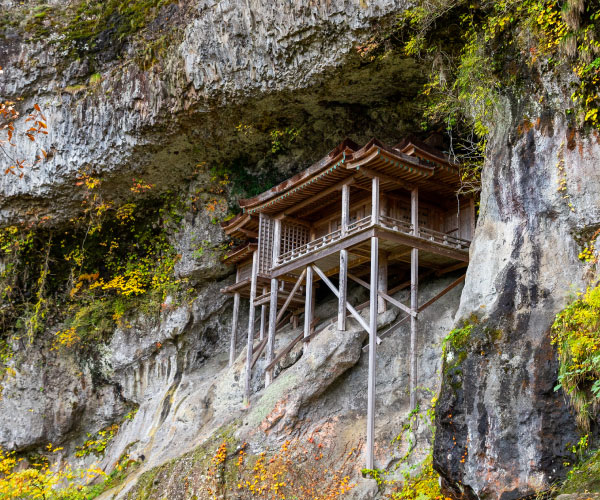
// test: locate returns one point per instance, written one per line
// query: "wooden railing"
(396, 224)
(444, 239)
(357, 226)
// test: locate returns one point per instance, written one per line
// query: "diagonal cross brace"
(385, 296)
(332, 287)
(290, 296)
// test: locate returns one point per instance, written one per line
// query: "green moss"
(90, 22)
(95, 79)
(75, 89)
(454, 346)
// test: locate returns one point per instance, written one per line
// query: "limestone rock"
(502, 430)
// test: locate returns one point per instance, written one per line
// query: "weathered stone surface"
(261, 66)
(502, 430)
(323, 392)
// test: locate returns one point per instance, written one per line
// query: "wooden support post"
(263, 317)
(345, 208)
(308, 303)
(414, 303)
(343, 282)
(382, 284)
(372, 349)
(234, 326)
(273, 304)
(375, 200)
(343, 288)
(251, 315)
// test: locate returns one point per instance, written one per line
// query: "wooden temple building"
(368, 214)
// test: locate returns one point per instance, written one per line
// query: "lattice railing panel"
(293, 236)
(265, 244)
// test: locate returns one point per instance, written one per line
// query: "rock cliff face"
(512, 430)
(230, 75)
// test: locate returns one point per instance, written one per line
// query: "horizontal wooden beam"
(332, 287)
(386, 178)
(288, 218)
(422, 244)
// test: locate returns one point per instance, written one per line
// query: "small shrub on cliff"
(297, 470)
(576, 333)
(42, 480)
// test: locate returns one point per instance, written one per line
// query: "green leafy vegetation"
(454, 350)
(576, 334)
(479, 51)
(583, 478)
(96, 444)
(88, 276)
(42, 479)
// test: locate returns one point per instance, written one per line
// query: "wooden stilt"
(343, 287)
(273, 304)
(372, 353)
(372, 329)
(251, 315)
(382, 282)
(414, 304)
(343, 282)
(308, 303)
(234, 326)
(263, 318)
